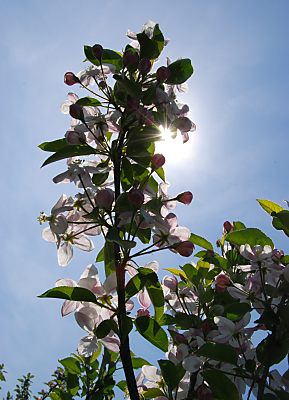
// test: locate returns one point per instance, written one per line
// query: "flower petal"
(87, 346)
(83, 243)
(191, 363)
(64, 254)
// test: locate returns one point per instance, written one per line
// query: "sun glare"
(172, 147)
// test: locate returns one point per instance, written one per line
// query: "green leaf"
(234, 258)
(149, 95)
(134, 285)
(144, 235)
(270, 351)
(113, 236)
(283, 217)
(71, 365)
(122, 385)
(270, 396)
(88, 101)
(222, 387)
(190, 271)
(167, 319)
(219, 352)
(185, 321)
(285, 259)
(104, 328)
(152, 332)
(2, 376)
(236, 311)
(108, 57)
(152, 393)
(270, 206)
(282, 395)
(251, 236)
(200, 241)
(279, 224)
(58, 394)
(138, 362)
(179, 71)
(158, 38)
(153, 184)
(69, 293)
(72, 384)
(171, 373)
(109, 262)
(202, 264)
(217, 260)
(177, 272)
(122, 204)
(154, 205)
(153, 47)
(146, 277)
(129, 87)
(100, 256)
(53, 146)
(144, 135)
(161, 173)
(70, 151)
(127, 178)
(238, 225)
(99, 179)
(156, 295)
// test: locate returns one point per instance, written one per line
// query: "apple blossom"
(222, 281)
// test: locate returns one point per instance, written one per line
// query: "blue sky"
(238, 96)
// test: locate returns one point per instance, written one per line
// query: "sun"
(172, 146)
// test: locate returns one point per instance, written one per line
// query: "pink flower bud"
(104, 199)
(142, 313)
(221, 282)
(170, 282)
(162, 74)
(180, 338)
(144, 65)
(206, 327)
(158, 161)
(73, 137)
(70, 79)
(228, 227)
(130, 57)
(204, 393)
(76, 112)
(277, 255)
(185, 198)
(185, 248)
(97, 51)
(184, 124)
(135, 197)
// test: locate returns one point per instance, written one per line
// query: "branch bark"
(120, 274)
